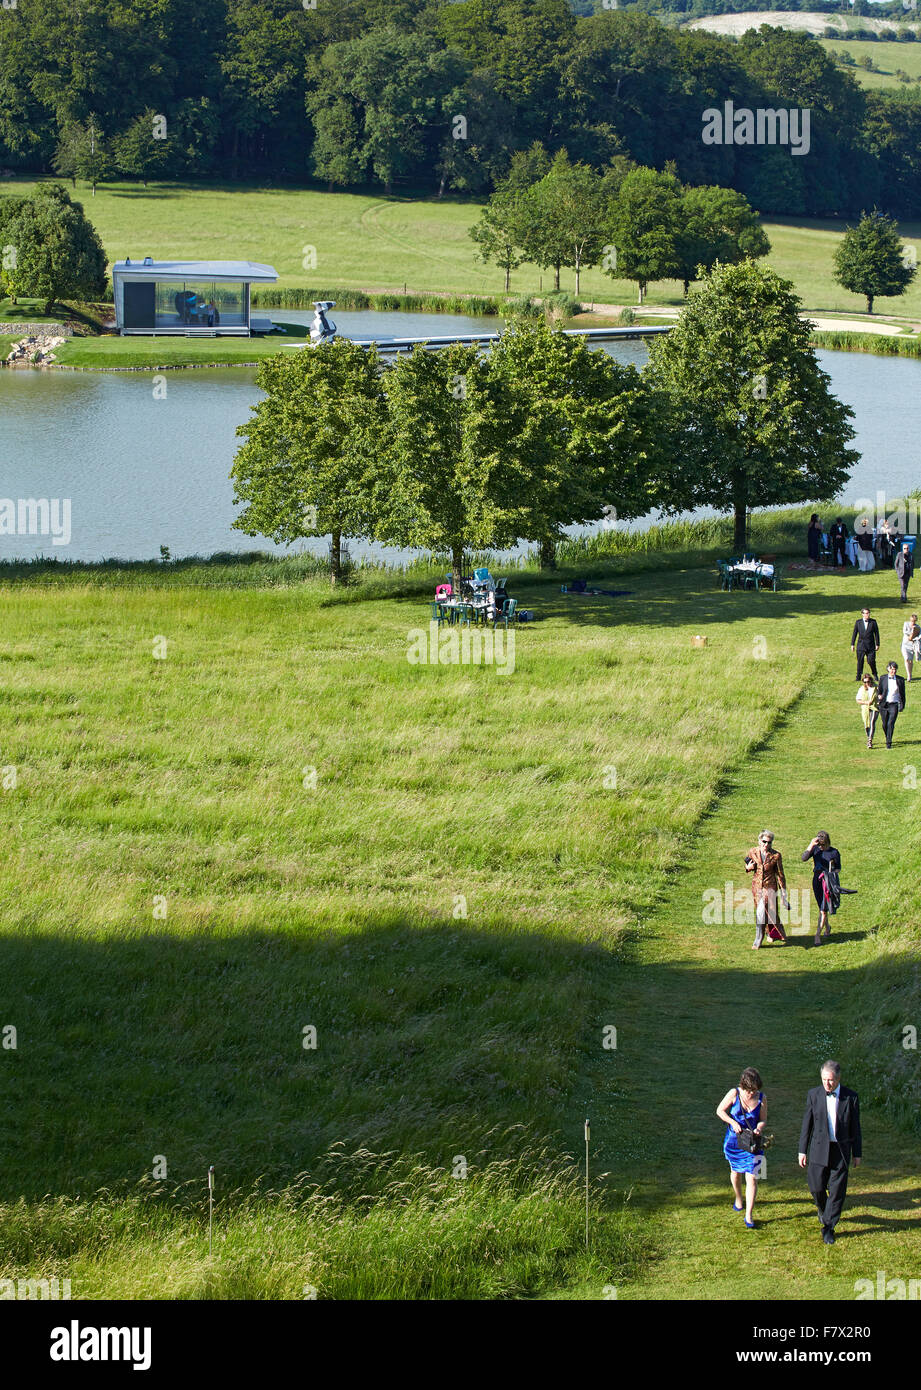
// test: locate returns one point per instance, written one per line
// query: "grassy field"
(379, 243)
(887, 58)
(459, 877)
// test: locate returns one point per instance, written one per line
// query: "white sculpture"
(322, 330)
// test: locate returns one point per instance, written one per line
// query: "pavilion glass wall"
(187, 304)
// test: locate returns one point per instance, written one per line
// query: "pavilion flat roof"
(196, 270)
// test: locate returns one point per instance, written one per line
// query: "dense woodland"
(359, 93)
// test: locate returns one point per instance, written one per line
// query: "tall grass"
(476, 305)
(508, 1229)
(881, 344)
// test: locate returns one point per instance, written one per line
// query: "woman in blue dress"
(744, 1107)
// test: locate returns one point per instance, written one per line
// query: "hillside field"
(362, 241)
(460, 877)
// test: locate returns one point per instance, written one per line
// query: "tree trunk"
(547, 553)
(457, 566)
(508, 279)
(578, 274)
(556, 282)
(739, 504)
(870, 298)
(641, 290)
(49, 308)
(687, 286)
(335, 558)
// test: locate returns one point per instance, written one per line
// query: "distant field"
(887, 57)
(368, 242)
(814, 22)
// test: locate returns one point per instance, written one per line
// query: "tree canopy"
(761, 427)
(870, 259)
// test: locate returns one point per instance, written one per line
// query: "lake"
(141, 471)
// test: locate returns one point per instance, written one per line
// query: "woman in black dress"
(814, 538)
(826, 865)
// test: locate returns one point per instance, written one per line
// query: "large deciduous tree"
(58, 254)
(567, 214)
(761, 427)
(311, 462)
(583, 434)
(443, 489)
(870, 259)
(718, 224)
(646, 228)
(377, 105)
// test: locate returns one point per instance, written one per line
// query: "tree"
(395, 85)
(83, 153)
(521, 42)
(444, 488)
(760, 425)
(310, 462)
(869, 259)
(646, 228)
(582, 432)
(477, 131)
(498, 232)
(143, 150)
(58, 252)
(718, 224)
(10, 210)
(566, 216)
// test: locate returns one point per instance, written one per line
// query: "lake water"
(142, 472)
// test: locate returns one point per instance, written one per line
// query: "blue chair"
(507, 611)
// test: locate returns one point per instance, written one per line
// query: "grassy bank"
(459, 877)
(881, 344)
(93, 354)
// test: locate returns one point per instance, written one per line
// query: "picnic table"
(748, 573)
(454, 608)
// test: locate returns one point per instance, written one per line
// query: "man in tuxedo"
(831, 1137)
(838, 537)
(904, 567)
(891, 700)
(865, 638)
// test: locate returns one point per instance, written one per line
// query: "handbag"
(749, 1141)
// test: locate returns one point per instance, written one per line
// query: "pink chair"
(443, 591)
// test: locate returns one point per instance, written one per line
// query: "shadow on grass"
(432, 1040)
(193, 1047)
(700, 604)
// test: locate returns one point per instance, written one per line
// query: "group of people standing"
(886, 699)
(887, 547)
(830, 1140)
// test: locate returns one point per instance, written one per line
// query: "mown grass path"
(699, 1005)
